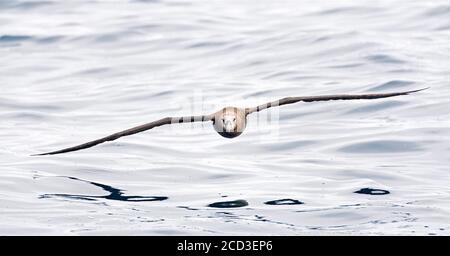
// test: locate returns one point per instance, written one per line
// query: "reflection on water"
(284, 202)
(229, 204)
(114, 194)
(372, 191)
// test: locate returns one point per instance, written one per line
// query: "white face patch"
(229, 123)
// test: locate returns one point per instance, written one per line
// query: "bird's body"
(229, 122)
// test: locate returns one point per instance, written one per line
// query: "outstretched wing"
(137, 129)
(290, 100)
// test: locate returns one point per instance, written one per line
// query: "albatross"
(229, 122)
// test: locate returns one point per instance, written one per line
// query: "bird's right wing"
(137, 129)
(290, 100)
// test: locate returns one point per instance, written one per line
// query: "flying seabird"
(229, 122)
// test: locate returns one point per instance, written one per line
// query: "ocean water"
(73, 71)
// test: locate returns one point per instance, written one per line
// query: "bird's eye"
(234, 119)
(223, 120)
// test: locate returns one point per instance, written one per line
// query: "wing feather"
(290, 100)
(134, 130)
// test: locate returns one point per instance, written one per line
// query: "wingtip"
(43, 154)
(418, 90)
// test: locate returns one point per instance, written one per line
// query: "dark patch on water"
(24, 5)
(93, 71)
(384, 59)
(393, 84)
(440, 10)
(188, 208)
(352, 65)
(206, 45)
(49, 39)
(14, 38)
(372, 191)
(373, 107)
(114, 194)
(381, 146)
(107, 38)
(163, 93)
(286, 201)
(229, 204)
(441, 28)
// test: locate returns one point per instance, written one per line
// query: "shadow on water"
(114, 194)
(229, 204)
(372, 191)
(284, 202)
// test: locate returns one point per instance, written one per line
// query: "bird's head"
(230, 122)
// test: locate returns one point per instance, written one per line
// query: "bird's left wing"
(137, 129)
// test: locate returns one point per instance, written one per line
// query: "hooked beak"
(228, 125)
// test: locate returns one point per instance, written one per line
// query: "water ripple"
(381, 147)
(79, 70)
(384, 59)
(392, 85)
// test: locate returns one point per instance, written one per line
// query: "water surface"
(75, 71)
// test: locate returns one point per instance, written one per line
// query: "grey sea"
(74, 71)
